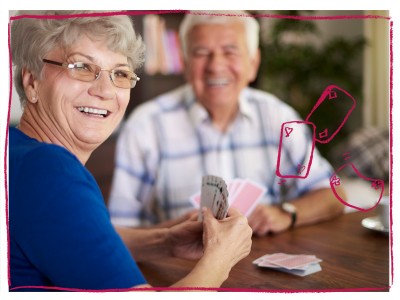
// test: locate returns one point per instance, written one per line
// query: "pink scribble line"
(5, 155)
(363, 177)
(391, 145)
(278, 162)
(97, 14)
(346, 156)
(321, 99)
(300, 18)
(318, 18)
(146, 289)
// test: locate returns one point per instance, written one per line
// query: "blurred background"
(303, 52)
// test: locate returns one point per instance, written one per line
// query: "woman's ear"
(29, 83)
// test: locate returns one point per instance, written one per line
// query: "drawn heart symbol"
(300, 169)
(288, 131)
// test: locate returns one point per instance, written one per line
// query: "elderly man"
(217, 125)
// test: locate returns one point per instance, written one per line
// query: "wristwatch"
(290, 209)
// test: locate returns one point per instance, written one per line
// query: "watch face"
(290, 208)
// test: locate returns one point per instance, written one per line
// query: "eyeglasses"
(90, 72)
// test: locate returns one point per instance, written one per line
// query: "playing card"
(264, 262)
(300, 265)
(291, 133)
(195, 199)
(214, 194)
(295, 261)
(260, 259)
(332, 97)
(276, 256)
(233, 187)
(218, 196)
(247, 196)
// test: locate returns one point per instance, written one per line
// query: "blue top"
(60, 231)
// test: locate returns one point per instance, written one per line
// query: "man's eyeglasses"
(89, 72)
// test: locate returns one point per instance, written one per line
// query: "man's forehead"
(225, 31)
(234, 23)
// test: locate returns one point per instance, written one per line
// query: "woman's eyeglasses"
(90, 72)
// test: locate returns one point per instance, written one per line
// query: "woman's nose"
(103, 87)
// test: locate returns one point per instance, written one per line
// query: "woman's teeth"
(94, 111)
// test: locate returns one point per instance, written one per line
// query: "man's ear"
(186, 73)
(255, 64)
(29, 83)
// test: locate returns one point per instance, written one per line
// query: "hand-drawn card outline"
(287, 134)
(326, 95)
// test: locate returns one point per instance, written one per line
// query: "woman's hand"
(185, 239)
(225, 242)
(228, 239)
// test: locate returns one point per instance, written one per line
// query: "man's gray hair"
(193, 18)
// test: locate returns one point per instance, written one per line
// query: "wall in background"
(375, 64)
(376, 71)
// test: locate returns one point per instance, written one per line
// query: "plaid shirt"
(368, 150)
(168, 144)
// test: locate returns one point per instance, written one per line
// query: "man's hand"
(313, 207)
(265, 219)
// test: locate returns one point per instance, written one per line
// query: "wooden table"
(354, 259)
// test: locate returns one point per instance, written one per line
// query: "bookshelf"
(154, 83)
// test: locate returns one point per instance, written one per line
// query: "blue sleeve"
(60, 221)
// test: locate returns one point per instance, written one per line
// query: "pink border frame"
(258, 16)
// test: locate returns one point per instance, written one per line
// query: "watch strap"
(290, 210)
(294, 218)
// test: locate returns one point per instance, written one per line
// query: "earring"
(34, 99)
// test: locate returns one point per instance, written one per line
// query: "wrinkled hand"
(228, 239)
(169, 223)
(265, 219)
(185, 239)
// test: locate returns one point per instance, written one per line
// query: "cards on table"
(300, 264)
(242, 194)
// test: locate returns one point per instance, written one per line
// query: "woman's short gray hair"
(193, 18)
(32, 38)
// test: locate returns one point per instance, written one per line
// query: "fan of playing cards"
(242, 194)
(300, 265)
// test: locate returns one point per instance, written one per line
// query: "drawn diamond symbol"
(332, 95)
(323, 134)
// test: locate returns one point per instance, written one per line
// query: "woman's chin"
(94, 138)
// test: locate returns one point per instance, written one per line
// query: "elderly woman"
(73, 77)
